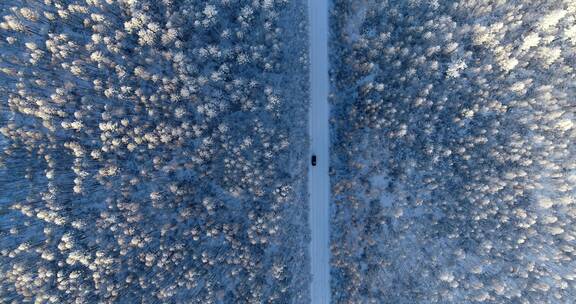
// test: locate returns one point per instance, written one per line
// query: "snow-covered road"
(318, 180)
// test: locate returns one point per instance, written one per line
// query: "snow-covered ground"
(318, 180)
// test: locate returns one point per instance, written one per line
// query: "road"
(318, 179)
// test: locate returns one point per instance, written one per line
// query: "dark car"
(313, 160)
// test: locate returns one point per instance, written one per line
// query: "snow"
(318, 181)
(439, 196)
(354, 21)
(157, 155)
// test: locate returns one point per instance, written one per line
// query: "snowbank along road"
(318, 180)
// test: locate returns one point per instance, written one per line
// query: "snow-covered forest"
(454, 155)
(153, 151)
(158, 151)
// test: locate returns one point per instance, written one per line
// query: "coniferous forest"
(158, 151)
